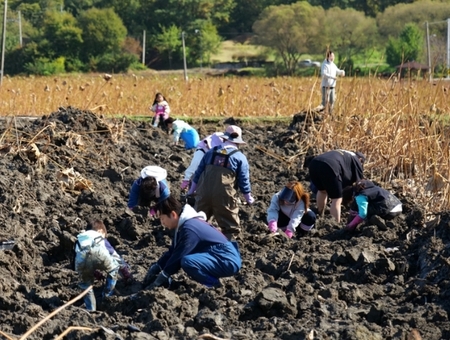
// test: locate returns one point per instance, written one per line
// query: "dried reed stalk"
(73, 328)
(6, 336)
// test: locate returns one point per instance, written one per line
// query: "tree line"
(107, 35)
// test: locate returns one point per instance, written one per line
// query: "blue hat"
(288, 195)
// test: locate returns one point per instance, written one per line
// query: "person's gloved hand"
(98, 275)
(154, 270)
(192, 188)
(289, 233)
(125, 272)
(354, 223)
(249, 198)
(152, 212)
(273, 226)
(161, 280)
(184, 184)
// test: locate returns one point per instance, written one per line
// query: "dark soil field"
(384, 281)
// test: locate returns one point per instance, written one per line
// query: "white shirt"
(329, 72)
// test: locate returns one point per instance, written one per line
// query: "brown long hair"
(300, 192)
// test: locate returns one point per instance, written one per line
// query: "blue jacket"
(237, 163)
(193, 235)
(163, 188)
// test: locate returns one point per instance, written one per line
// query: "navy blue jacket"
(193, 235)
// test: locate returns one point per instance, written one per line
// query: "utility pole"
(143, 48)
(448, 48)
(20, 28)
(184, 57)
(430, 74)
(3, 42)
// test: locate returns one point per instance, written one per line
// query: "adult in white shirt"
(329, 72)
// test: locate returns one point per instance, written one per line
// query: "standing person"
(367, 200)
(91, 254)
(202, 251)
(203, 147)
(221, 171)
(161, 109)
(150, 187)
(332, 171)
(182, 130)
(329, 72)
(289, 208)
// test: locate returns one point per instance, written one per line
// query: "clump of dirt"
(384, 281)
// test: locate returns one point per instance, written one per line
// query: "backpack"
(85, 241)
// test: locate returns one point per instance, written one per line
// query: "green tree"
(349, 33)
(205, 42)
(168, 41)
(291, 30)
(63, 34)
(103, 31)
(393, 20)
(75, 7)
(407, 47)
(184, 13)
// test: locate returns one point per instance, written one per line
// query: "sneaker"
(289, 233)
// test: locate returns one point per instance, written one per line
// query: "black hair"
(329, 53)
(350, 191)
(169, 120)
(168, 205)
(156, 96)
(147, 190)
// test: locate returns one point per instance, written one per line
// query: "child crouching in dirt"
(201, 250)
(150, 187)
(182, 130)
(91, 254)
(289, 208)
(367, 200)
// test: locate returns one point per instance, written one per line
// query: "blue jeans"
(221, 260)
(191, 139)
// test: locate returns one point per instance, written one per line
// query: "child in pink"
(161, 109)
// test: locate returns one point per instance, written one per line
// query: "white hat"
(233, 134)
(154, 171)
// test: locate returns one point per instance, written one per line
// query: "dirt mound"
(385, 281)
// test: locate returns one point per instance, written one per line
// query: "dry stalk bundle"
(74, 140)
(34, 155)
(71, 180)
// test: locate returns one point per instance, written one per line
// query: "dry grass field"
(402, 125)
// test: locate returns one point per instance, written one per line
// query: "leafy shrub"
(75, 65)
(112, 63)
(45, 67)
